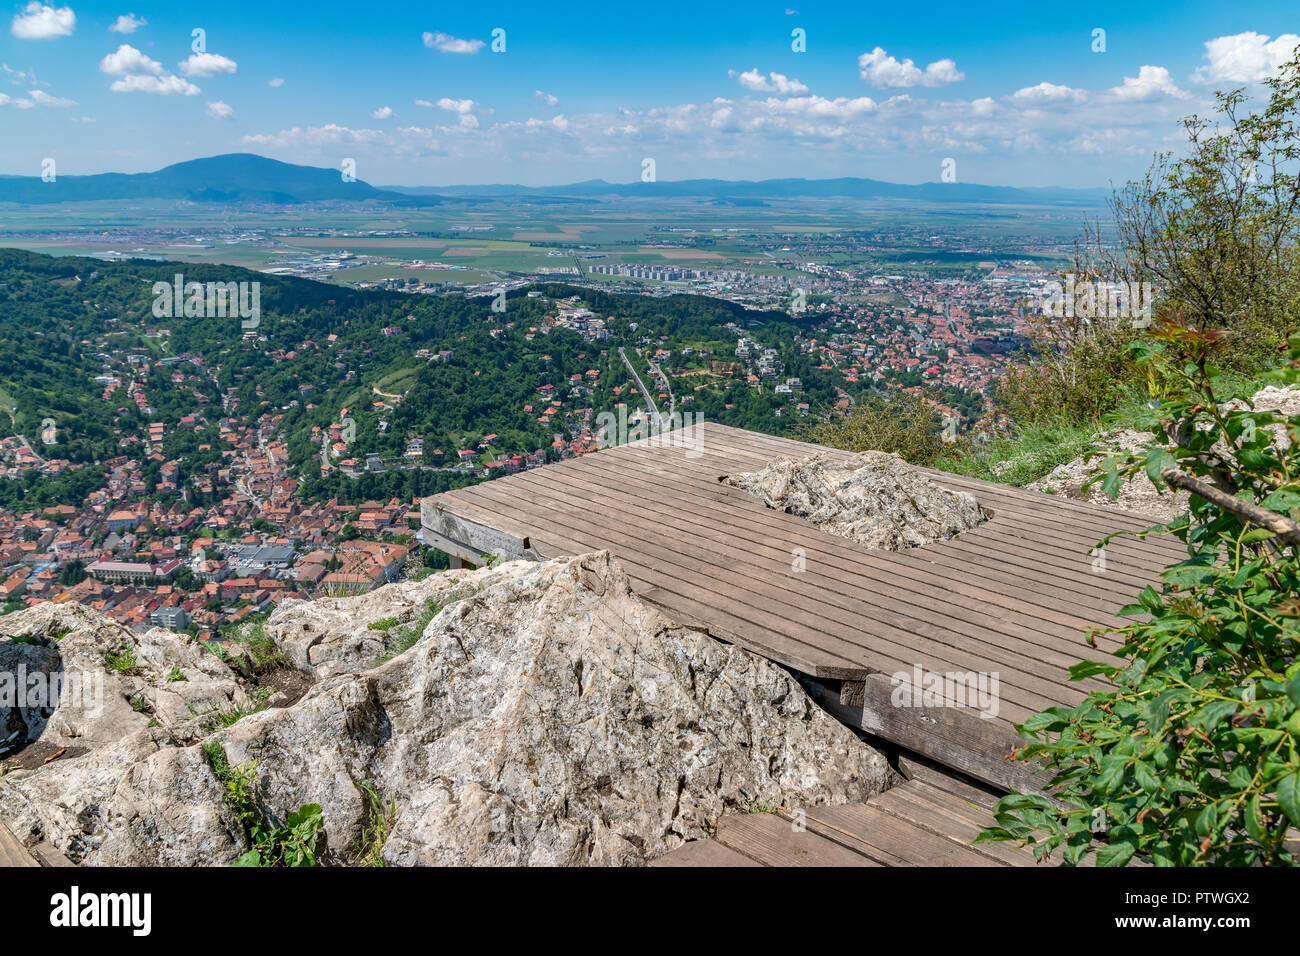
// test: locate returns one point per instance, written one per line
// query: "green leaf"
(251, 858)
(1288, 795)
(1157, 461)
(1254, 825)
(1213, 713)
(1116, 854)
(1112, 773)
(1147, 780)
(1111, 484)
(1293, 689)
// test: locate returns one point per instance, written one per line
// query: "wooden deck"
(922, 822)
(1014, 597)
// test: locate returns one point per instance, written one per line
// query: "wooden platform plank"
(12, 852)
(703, 853)
(767, 839)
(872, 832)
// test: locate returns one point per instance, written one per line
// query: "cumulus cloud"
(1047, 93)
(772, 83)
(546, 98)
(208, 64)
(40, 22)
(446, 43)
(384, 112)
(220, 110)
(128, 23)
(456, 106)
(1151, 83)
(127, 59)
(166, 85)
(1248, 57)
(886, 72)
(275, 82)
(140, 74)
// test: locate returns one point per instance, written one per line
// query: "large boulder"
(873, 498)
(544, 715)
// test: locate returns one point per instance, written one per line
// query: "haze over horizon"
(508, 94)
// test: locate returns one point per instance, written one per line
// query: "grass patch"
(1028, 455)
(263, 654)
(174, 675)
(400, 639)
(384, 624)
(219, 719)
(375, 831)
(121, 660)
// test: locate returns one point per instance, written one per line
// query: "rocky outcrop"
(1138, 494)
(874, 498)
(543, 715)
(331, 636)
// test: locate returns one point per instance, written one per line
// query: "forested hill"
(81, 345)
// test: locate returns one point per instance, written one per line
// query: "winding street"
(645, 393)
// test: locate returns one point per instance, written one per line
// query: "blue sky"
(1014, 93)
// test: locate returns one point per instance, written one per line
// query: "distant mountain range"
(726, 189)
(245, 177)
(235, 177)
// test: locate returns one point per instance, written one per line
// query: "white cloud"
(140, 74)
(446, 43)
(1047, 93)
(167, 85)
(41, 98)
(276, 82)
(384, 112)
(220, 110)
(424, 103)
(457, 106)
(4, 99)
(816, 107)
(1245, 57)
(128, 23)
(208, 64)
(772, 83)
(546, 98)
(1150, 83)
(885, 72)
(41, 22)
(127, 59)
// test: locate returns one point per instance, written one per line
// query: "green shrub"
(900, 422)
(1194, 756)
